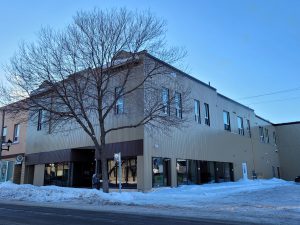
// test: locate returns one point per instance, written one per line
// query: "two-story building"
(222, 140)
(12, 161)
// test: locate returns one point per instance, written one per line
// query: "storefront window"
(201, 172)
(56, 174)
(129, 173)
(193, 174)
(161, 172)
(181, 167)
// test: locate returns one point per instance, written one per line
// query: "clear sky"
(244, 48)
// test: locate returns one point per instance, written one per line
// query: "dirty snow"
(263, 201)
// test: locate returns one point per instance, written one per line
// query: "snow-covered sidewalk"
(262, 201)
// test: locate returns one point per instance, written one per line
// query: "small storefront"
(75, 167)
(201, 172)
(11, 168)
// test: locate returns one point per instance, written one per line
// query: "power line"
(270, 93)
(276, 100)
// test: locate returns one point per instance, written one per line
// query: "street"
(35, 215)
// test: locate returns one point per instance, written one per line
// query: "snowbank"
(272, 201)
(188, 195)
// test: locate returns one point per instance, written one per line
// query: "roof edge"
(268, 121)
(178, 70)
(287, 123)
(240, 104)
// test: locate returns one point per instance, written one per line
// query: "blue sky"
(244, 48)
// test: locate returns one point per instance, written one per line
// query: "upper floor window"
(248, 128)
(267, 135)
(119, 107)
(240, 125)
(197, 111)
(261, 134)
(16, 132)
(41, 115)
(207, 118)
(4, 134)
(178, 105)
(166, 101)
(226, 119)
(274, 137)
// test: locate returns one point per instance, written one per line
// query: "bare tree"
(84, 73)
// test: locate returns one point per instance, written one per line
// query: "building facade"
(12, 161)
(221, 141)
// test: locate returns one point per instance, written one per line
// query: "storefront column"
(140, 173)
(23, 173)
(38, 178)
(173, 173)
(70, 174)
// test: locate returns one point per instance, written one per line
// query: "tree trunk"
(105, 185)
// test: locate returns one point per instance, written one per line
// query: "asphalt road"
(35, 215)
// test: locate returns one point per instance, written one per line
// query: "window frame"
(240, 123)
(248, 127)
(178, 104)
(261, 134)
(166, 100)
(267, 139)
(119, 101)
(207, 116)
(197, 111)
(274, 137)
(4, 134)
(16, 138)
(227, 124)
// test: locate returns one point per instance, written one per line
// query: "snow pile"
(260, 201)
(188, 196)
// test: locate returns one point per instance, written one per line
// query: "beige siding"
(289, 150)
(72, 136)
(38, 177)
(212, 143)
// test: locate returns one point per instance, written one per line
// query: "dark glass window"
(207, 117)
(178, 105)
(181, 167)
(240, 125)
(16, 132)
(201, 172)
(40, 119)
(4, 134)
(226, 119)
(261, 134)
(267, 135)
(248, 128)
(197, 111)
(161, 172)
(129, 173)
(57, 174)
(119, 107)
(165, 101)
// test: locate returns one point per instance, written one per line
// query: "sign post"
(117, 158)
(245, 171)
